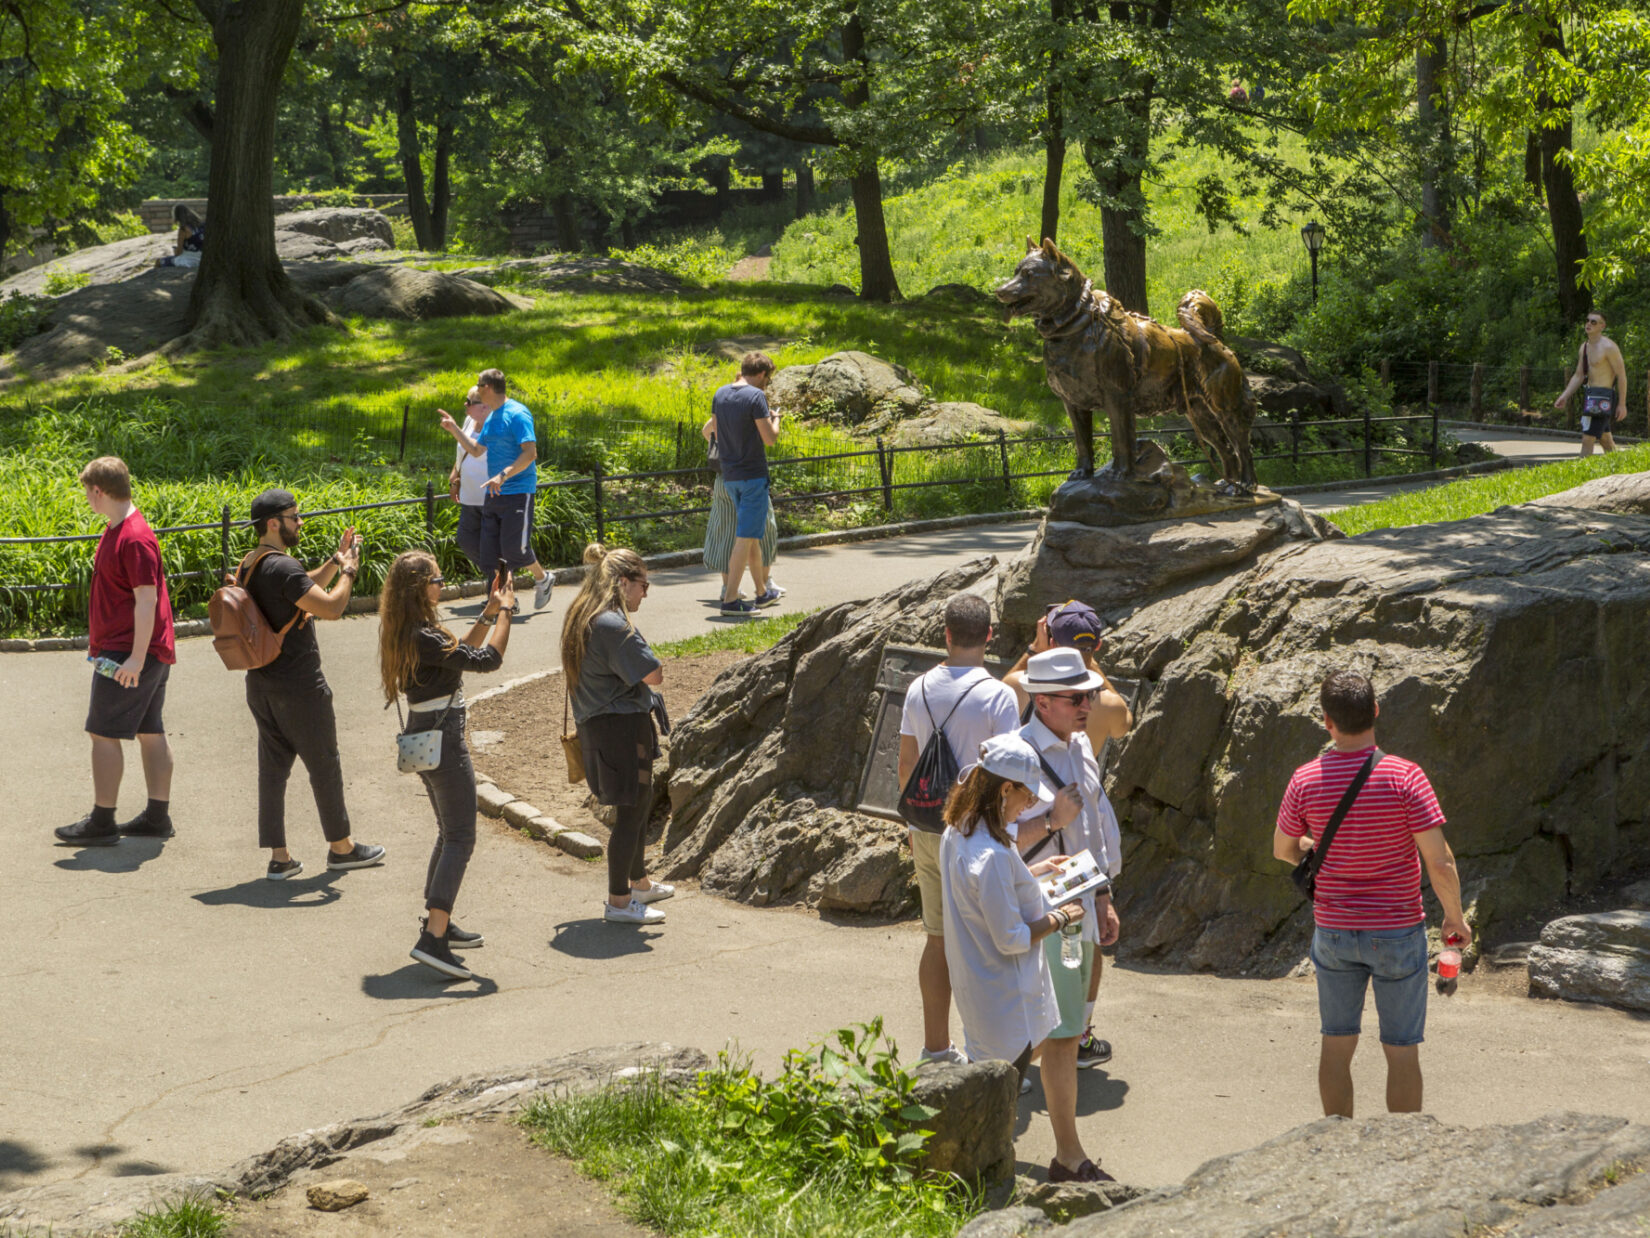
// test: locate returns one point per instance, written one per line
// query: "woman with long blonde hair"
(609, 673)
(419, 656)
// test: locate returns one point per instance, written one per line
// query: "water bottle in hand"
(1071, 946)
(1449, 968)
(104, 666)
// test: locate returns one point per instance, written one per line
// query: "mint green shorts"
(1071, 987)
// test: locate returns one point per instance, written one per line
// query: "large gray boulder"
(1508, 651)
(415, 296)
(765, 767)
(955, 422)
(133, 317)
(1403, 1176)
(1603, 958)
(339, 224)
(577, 272)
(849, 389)
(973, 1132)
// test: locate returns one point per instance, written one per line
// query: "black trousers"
(296, 724)
(618, 764)
(451, 787)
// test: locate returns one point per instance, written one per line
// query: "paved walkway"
(167, 1008)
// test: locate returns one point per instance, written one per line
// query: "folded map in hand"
(1073, 879)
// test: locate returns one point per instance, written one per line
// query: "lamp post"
(1312, 237)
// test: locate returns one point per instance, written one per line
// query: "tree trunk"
(876, 263)
(441, 190)
(410, 151)
(1054, 132)
(804, 188)
(1563, 204)
(241, 294)
(567, 224)
(627, 232)
(1122, 213)
(1437, 160)
(773, 183)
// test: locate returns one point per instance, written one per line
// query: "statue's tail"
(1201, 318)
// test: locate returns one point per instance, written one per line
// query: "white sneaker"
(637, 913)
(1025, 1085)
(950, 1055)
(541, 591)
(658, 892)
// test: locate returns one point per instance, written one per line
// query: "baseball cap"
(1076, 626)
(1009, 756)
(272, 503)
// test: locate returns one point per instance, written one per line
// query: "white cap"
(1060, 670)
(1009, 756)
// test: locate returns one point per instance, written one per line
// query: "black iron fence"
(1481, 392)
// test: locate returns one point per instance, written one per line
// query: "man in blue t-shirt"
(510, 443)
(745, 428)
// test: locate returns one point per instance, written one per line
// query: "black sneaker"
(434, 952)
(83, 834)
(739, 608)
(457, 938)
(280, 870)
(141, 827)
(362, 855)
(1092, 1051)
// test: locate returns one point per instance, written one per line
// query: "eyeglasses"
(643, 582)
(472, 403)
(436, 580)
(1595, 322)
(1075, 699)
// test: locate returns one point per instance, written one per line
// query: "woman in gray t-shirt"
(610, 672)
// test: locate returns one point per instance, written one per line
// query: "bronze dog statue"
(1098, 355)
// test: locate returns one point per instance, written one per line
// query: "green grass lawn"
(1473, 496)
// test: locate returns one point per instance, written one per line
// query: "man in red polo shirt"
(132, 653)
(1371, 925)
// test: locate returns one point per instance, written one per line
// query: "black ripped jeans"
(619, 750)
(451, 787)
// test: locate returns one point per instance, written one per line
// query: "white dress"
(1001, 984)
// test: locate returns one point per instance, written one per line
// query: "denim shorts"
(750, 506)
(1346, 960)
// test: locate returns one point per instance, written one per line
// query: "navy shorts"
(1346, 960)
(126, 713)
(1597, 425)
(469, 535)
(750, 506)
(507, 531)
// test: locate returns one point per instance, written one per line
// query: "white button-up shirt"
(1095, 827)
(999, 979)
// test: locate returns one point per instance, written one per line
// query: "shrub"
(60, 282)
(21, 317)
(690, 259)
(122, 226)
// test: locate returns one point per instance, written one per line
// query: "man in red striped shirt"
(1371, 925)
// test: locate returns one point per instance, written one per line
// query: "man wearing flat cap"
(289, 697)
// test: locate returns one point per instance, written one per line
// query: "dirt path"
(751, 270)
(459, 1180)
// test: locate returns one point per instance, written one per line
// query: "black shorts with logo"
(126, 713)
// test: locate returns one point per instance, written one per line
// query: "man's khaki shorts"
(925, 851)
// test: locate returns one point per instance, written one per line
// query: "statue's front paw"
(1082, 472)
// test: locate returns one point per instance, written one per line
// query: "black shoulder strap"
(1344, 807)
(939, 727)
(1059, 783)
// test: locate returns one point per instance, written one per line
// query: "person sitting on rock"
(191, 242)
(1076, 626)
(995, 913)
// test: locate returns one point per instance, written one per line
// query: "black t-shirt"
(441, 666)
(276, 584)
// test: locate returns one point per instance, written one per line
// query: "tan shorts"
(925, 851)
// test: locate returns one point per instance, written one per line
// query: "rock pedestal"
(1602, 958)
(1160, 490)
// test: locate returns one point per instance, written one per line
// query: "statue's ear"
(1052, 253)
(1031, 244)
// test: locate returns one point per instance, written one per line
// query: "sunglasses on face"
(436, 580)
(1075, 699)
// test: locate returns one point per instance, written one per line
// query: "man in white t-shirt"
(466, 481)
(961, 695)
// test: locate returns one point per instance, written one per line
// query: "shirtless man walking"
(1602, 376)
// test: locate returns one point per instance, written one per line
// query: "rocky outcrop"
(956, 421)
(973, 1132)
(1603, 958)
(339, 224)
(577, 272)
(765, 767)
(1508, 651)
(415, 296)
(851, 389)
(1283, 383)
(1398, 1176)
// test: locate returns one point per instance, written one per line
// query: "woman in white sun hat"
(995, 912)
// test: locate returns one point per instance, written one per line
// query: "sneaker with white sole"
(362, 855)
(637, 912)
(457, 938)
(434, 952)
(948, 1056)
(280, 870)
(541, 591)
(658, 892)
(1092, 1051)
(1025, 1085)
(770, 596)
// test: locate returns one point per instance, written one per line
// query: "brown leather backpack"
(240, 633)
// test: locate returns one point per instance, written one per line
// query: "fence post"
(1432, 382)
(1475, 399)
(885, 463)
(1002, 447)
(1647, 404)
(401, 452)
(596, 477)
(678, 463)
(429, 510)
(1523, 387)
(1369, 454)
(223, 543)
(1386, 371)
(1434, 436)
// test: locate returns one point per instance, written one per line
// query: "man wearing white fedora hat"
(1062, 689)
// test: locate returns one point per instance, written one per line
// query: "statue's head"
(1046, 283)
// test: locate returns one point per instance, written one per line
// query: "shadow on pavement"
(18, 1161)
(297, 891)
(417, 982)
(131, 855)
(597, 939)
(1096, 1092)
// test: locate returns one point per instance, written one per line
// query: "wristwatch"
(350, 572)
